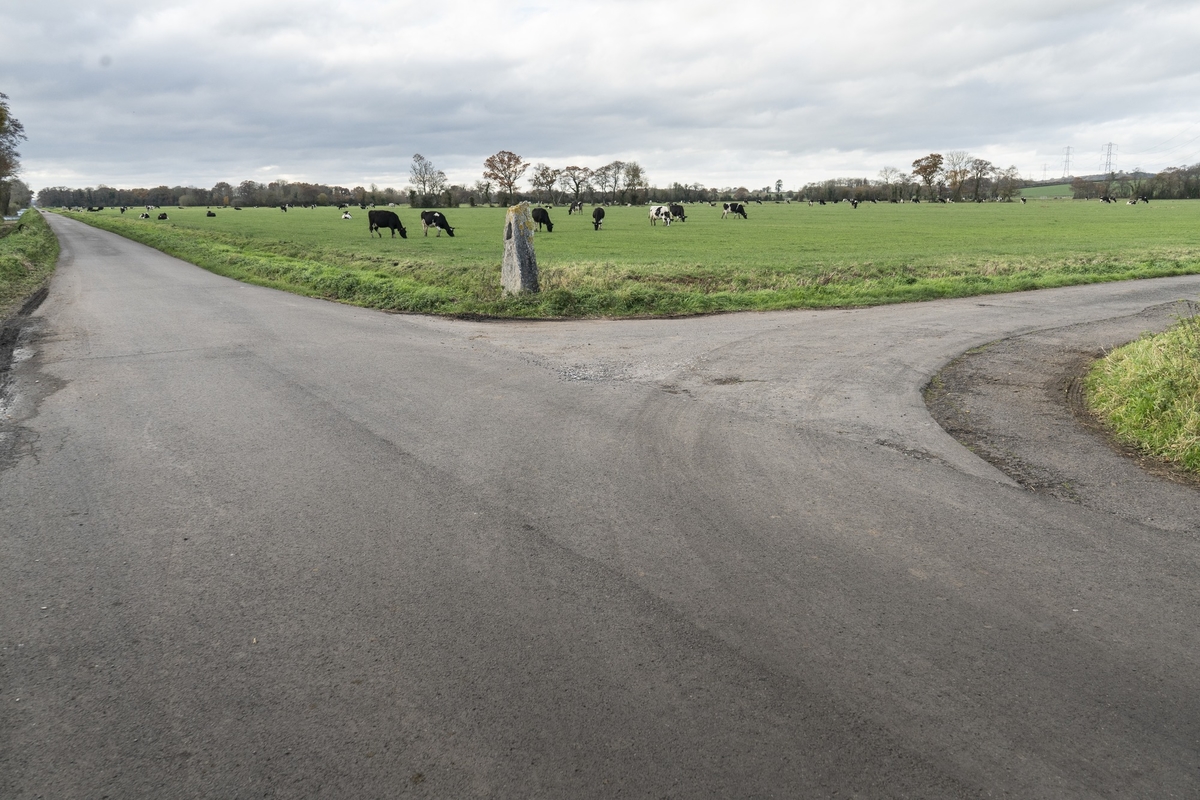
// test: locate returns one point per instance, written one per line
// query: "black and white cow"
(435, 219)
(346, 215)
(660, 212)
(677, 212)
(385, 219)
(734, 208)
(283, 207)
(597, 217)
(576, 208)
(143, 215)
(542, 217)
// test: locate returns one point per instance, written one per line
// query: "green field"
(783, 256)
(1047, 192)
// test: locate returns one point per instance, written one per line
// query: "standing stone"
(519, 272)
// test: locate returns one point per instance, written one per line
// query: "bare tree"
(11, 132)
(956, 169)
(426, 178)
(928, 169)
(616, 177)
(602, 177)
(888, 176)
(505, 168)
(543, 179)
(980, 169)
(484, 190)
(634, 178)
(1008, 183)
(574, 180)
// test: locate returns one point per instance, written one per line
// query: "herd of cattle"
(381, 219)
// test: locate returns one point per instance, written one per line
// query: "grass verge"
(28, 253)
(1148, 393)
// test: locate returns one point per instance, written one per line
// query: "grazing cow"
(237, 208)
(163, 215)
(1144, 199)
(542, 217)
(734, 208)
(385, 219)
(677, 213)
(576, 208)
(822, 202)
(283, 207)
(435, 219)
(210, 213)
(597, 217)
(143, 215)
(342, 206)
(660, 212)
(1023, 201)
(854, 204)
(346, 215)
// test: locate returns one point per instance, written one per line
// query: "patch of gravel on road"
(1019, 404)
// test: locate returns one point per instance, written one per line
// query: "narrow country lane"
(258, 545)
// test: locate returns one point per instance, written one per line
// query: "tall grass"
(28, 253)
(1148, 392)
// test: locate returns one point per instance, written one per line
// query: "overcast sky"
(738, 93)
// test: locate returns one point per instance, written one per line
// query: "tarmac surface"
(259, 545)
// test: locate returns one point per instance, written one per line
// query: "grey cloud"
(338, 92)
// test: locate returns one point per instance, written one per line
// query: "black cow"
(597, 217)
(237, 208)
(542, 217)
(385, 219)
(677, 213)
(734, 208)
(210, 213)
(163, 215)
(435, 219)
(122, 209)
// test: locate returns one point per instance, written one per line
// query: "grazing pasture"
(782, 256)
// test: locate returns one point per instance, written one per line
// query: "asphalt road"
(257, 545)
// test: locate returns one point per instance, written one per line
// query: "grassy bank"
(28, 252)
(783, 256)
(1148, 392)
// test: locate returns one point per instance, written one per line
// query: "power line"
(1067, 161)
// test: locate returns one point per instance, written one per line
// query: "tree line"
(956, 176)
(1172, 183)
